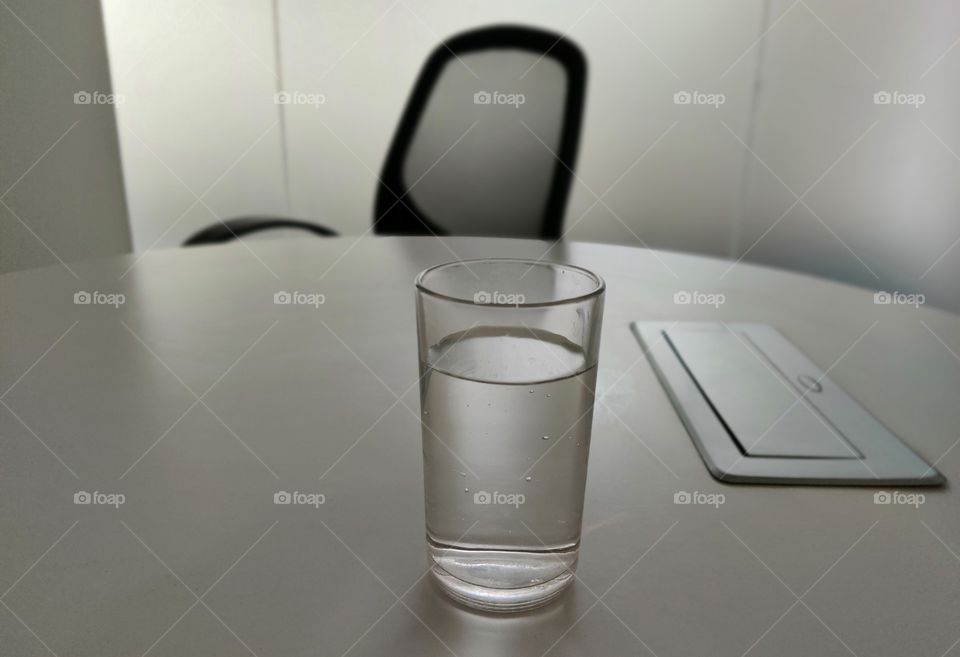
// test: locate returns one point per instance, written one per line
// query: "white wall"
(199, 118)
(61, 191)
(890, 209)
(885, 215)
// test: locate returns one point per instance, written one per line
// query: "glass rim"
(600, 285)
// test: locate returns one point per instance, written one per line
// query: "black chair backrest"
(487, 142)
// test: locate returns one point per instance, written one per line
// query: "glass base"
(502, 580)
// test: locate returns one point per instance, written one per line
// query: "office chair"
(486, 145)
(487, 142)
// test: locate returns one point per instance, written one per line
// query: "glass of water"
(508, 366)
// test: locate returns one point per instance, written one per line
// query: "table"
(198, 399)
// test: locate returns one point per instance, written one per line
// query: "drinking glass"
(508, 367)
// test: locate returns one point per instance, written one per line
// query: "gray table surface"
(198, 399)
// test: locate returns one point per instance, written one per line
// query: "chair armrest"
(230, 229)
